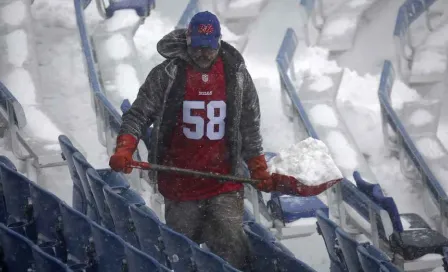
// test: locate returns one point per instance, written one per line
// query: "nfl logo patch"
(205, 77)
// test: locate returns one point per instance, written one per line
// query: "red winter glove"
(259, 170)
(126, 146)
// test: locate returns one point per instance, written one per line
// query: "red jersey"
(198, 141)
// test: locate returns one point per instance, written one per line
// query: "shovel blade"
(291, 186)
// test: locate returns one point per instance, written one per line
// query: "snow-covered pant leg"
(185, 217)
(223, 231)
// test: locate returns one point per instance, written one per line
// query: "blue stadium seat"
(370, 258)
(77, 233)
(142, 7)
(47, 214)
(96, 185)
(291, 208)
(206, 261)
(81, 166)
(148, 232)
(79, 199)
(348, 247)
(327, 229)
(16, 249)
(178, 249)
(266, 235)
(389, 267)
(45, 262)
(109, 249)
(140, 262)
(119, 200)
(3, 211)
(267, 257)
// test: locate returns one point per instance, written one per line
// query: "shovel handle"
(162, 168)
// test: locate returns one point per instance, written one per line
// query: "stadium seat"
(81, 166)
(265, 256)
(348, 247)
(206, 261)
(119, 200)
(47, 215)
(138, 261)
(147, 228)
(96, 185)
(178, 249)
(77, 234)
(327, 229)
(370, 258)
(45, 262)
(3, 211)
(17, 252)
(109, 249)
(79, 199)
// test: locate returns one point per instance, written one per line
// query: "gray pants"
(217, 222)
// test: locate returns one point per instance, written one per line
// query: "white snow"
(343, 153)
(13, 13)
(324, 115)
(122, 19)
(358, 3)
(243, 3)
(421, 117)
(21, 85)
(322, 84)
(429, 60)
(41, 126)
(338, 27)
(117, 47)
(17, 47)
(127, 81)
(314, 62)
(308, 161)
(430, 148)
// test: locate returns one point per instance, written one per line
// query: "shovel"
(283, 183)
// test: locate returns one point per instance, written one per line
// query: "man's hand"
(259, 170)
(126, 146)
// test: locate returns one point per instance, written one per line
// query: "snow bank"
(309, 161)
(117, 47)
(344, 154)
(430, 148)
(321, 84)
(21, 85)
(421, 117)
(13, 13)
(313, 61)
(127, 81)
(324, 115)
(122, 19)
(358, 3)
(243, 3)
(17, 47)
(429, 60)
(339, 27)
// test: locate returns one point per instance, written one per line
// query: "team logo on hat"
(206, 29)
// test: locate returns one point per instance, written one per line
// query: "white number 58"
(200, 128)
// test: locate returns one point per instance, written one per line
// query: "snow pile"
(17, 47)
(313, 62)
(344, 154)
(338, 27)
(429, 60)
(308, 161)
(127, 81)
(324, 115)
(122, 19)
(430, 148)
(243, 3)
(421, 117)
(358, 3)
(13, 13)
(117, 47)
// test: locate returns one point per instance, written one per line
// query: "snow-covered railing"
(414, 63)
(435, 196)
(33, 142)
(108, 118)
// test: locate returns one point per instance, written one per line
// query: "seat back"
(45, 262)
(119, 200)
(77, 233)
(370, 258)
(96, 185)
(3, 211)
(178, 249)
(17, 250)
(328, 231)
(109, 249)
(81, 166)
(348, 246)
(16, 190)
(206, 261)
(148, 232)
(79, 198)
(140, 262)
